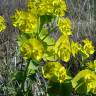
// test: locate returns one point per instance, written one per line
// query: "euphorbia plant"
(36, 43)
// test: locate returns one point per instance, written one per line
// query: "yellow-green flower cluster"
(25, 21)
(32, 48)
(89, 80)
(65, 47)
(65, 26)
(62, 48)
(75, 48)
(2, 24)
(54, 71)
(92, 65)
(47, 7)
(91, 87)
(87, 48)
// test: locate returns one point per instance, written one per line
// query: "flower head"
(65, 26)
(25, 21)
(75, 48)
(62, 48)
(86, 77)
(32, 48)
(55, 72)
(91, 65)
(49, 7)
(88, 47)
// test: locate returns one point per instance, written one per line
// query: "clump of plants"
(37, 45)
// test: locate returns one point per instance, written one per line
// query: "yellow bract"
(2, 24)
(88, 47)
(47, 7)
(92, 65)
(75, 48)
(32, 48)
(25, 21)
(89, 78)
(91, 87)
(55, 72)
(65, 47)
(65, 26)
(62, 48)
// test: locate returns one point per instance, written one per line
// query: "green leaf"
(22, 38)
(49, 40)
(63, 89)
(19, 76)
(81, 88)
(32, 68)
(43, 33)
(45, 19)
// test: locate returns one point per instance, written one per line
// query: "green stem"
(25, 75)
(38, 27)
(79, 85)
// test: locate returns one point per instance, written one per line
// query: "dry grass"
(82, 14)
